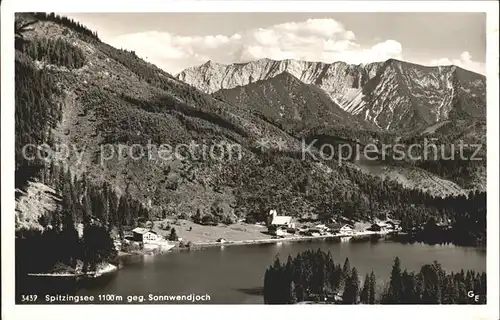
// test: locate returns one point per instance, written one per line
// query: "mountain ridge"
(211, 62)
(381, 92)
(292, 103)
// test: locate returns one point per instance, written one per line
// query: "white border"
(10, 310)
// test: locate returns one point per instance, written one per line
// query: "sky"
(175, 41)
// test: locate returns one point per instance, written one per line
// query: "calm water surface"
(235, 274)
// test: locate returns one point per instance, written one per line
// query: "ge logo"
(472, 295)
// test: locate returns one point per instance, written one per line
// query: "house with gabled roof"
(280, 221)
(145, 235)
(275, 223)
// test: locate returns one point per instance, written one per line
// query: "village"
(178, 234)
(283, 226)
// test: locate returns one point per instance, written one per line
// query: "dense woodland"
(36, 113)
(314, 276)
(98, 208)
(37, 109)
(458, 170)
(57, 52)
(295, 186)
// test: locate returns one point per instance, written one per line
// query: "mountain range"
(100, 96)
(392, 95)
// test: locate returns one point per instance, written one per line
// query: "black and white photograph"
(310, 158)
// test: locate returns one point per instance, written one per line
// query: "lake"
(235, 274)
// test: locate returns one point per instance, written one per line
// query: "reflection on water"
(148, 258)
(235, 274)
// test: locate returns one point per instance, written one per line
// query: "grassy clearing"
(236, 232)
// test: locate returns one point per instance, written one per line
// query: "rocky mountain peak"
(393, 94)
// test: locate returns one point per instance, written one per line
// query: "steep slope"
(116, 100)
(108, 103)
(392, 95)
(291, 104)
(412, 177)
(36, 201)
(408, 96)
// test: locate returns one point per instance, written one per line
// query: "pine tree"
(355, 285)
(268, 286)
(393, 295)
(450, 293)
(432, 276)
(346, 270)
(113, 203)
(365, 292)
(97, 246)
(351, 288)
(409, 288)
(69, 240)
(123, 209)
(197, 217)
(462, 297)
(371, 290)
(292, 297)
(173, 235)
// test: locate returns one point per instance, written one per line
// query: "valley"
(73, 89)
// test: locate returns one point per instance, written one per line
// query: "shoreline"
(192, 235)
(279, 240)
(103, 270)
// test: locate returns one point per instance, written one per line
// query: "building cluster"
(281, 226)
(143, 238)
(389, 225)
(144, 235)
